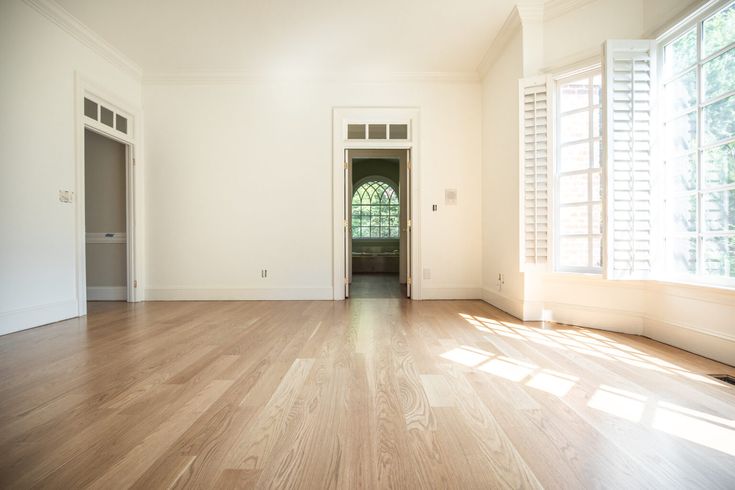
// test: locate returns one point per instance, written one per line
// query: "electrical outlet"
(66, 196)
(427, 273)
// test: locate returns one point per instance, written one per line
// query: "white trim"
(453, 292)
(557, 8)
(34, 316)
(239, 77)
(72, 26)
(107, 293)
(714, 345)
(359, 114)
(251, 294)
(512, 306)
(84, 87)
(510, 27)
(106, 238)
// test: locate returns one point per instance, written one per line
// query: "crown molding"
(72, 26)
(557, 8)
(215, 77)
(509, 28)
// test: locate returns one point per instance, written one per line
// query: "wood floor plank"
(366, 393)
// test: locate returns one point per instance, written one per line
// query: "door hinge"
(135, 283)
(346, 281)
(408, 223)
(409, 165)
(409, 280)
(346, 224)
(347, 165)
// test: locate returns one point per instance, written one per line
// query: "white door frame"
(341, 117)
(133, 184)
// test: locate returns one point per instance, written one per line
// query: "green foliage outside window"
(375, 211)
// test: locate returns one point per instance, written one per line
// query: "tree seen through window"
(375, 211)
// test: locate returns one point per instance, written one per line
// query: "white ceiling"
(296, 36)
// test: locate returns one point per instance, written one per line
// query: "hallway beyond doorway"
(377, 285)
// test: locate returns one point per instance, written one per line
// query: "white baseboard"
(258, 294)
(714, 345)
(107, 293)
(512, 306)
(34, 316)
(609, 319)
(451, 293)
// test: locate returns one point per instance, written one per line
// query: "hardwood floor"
(376, 285)
(362, 393)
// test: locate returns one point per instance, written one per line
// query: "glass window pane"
(682, 255)
(596, 89)
(595, 187)
(718, 31)
(718, 75)
(574, 251)
(575, 126)
(574, 157)
(90, 109)
(597, 252)
(597, 155)
(574, 95)
(596, 123)
(683, 213)
(573, 188)
(718, 120)
(377, 131)
(121, 124)
(680, 135)
(106, 116)
(574, 220)
(719, 210)
(597, 219)
(399, 131)
(718, 165)
(355, 131)
(680, 54)
(719, 256)
(680, 94)
(681, 173)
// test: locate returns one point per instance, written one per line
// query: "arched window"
(375, 210)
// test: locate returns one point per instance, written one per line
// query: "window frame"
(587, 72)
(694, 21)
(396, 190)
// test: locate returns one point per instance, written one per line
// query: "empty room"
(404, 244)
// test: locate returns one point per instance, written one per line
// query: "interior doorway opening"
(377, 201)
(106, 223)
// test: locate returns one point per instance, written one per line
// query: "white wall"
(694, 318)
(239, 179)
(500, 217)
(37, 159)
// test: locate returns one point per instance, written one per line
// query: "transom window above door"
(375, 210)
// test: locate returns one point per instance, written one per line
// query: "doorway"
(105, 217)
(377, 198)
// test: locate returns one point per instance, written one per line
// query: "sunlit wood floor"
(362, 393)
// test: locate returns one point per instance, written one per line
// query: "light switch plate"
(450, 197)
(66, 196)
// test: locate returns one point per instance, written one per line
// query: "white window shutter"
(535, 149)
(629, 82)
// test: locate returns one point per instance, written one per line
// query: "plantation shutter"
(535, 144)
(629, 74)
